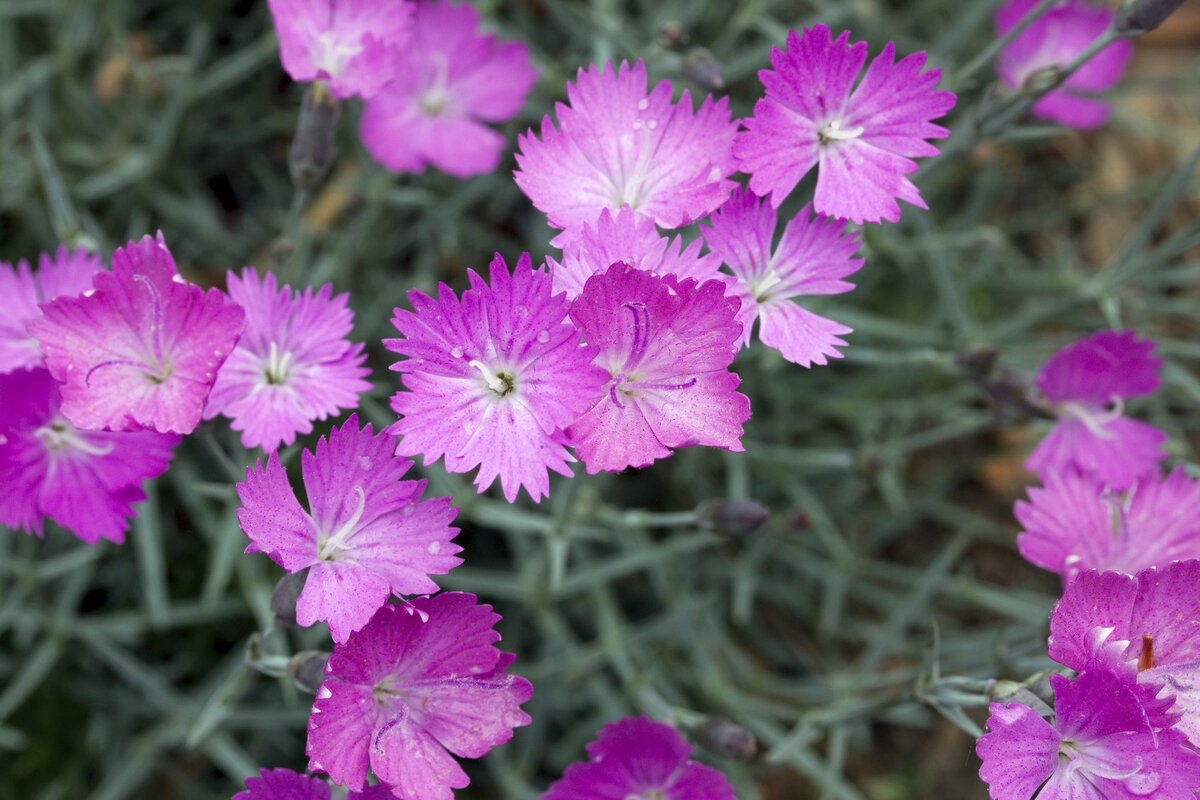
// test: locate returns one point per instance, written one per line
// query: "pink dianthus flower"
(1056, 39)
(1075, 524)
(638, 757)
(293, 363)
(1101, 745)
(1088, 382)
(451, 80)
(631, 239)
(666, 346)
(492, 379)
(412, 689)
(86, 481)
(368, 534)
(618, 145)
(68, 273)
(812, 258)
(353, 45)
(1150, 624)
(862, 139)
(142, 350)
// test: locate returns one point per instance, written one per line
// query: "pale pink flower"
(451, 80)
(861, 138)
(366, 536)
(813, 257)
(1087, 382)
(492, 379)
(618, 145)
(68, 273)
(293, 364)
(354, 46)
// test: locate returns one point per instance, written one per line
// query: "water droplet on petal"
(364, 462)
(457, 352)
(435, 548)
(1144, 783)
(543, 336)
(468, 426)
(522, 312)
(652, 124)
(637, 124)
(408, 510)
(643, 104)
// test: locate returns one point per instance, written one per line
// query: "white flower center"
(337, 541)
(501, 383)
(436, 97)
(834, 132)
(60, 435)
(1095, 418)
(331, 52)
(277, 368)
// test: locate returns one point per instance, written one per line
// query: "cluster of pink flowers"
(104, 371)
(430, 79)
(1126, 539)
(619, 352)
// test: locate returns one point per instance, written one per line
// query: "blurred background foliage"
(855, 633)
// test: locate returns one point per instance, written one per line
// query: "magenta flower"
(638, 757)
(86, 481)
(862, 139)
(1101, 745)
(617, 145)
(1088, 382)
(292, 365)
(812, 258)
(403, 696)
(452, 80)
(283, 784)
(1149, 623)
(1076, 524)
(67, 274)
(353, 45)
(631, 239)
(666, 346)
(492, 379)
(142, 350)
(1056, 39)
(368, 535)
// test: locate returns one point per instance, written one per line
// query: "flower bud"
(312, 148)
(283, 599)
(702, 68)
(733, 517)
(725, 738)
(307, 669)
(1142, 16)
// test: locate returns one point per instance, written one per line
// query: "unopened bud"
(1142, 16)
(312, 148)
(307, 669)
(702, 68)
(725, 738)
(733, 517)
(283, 599)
